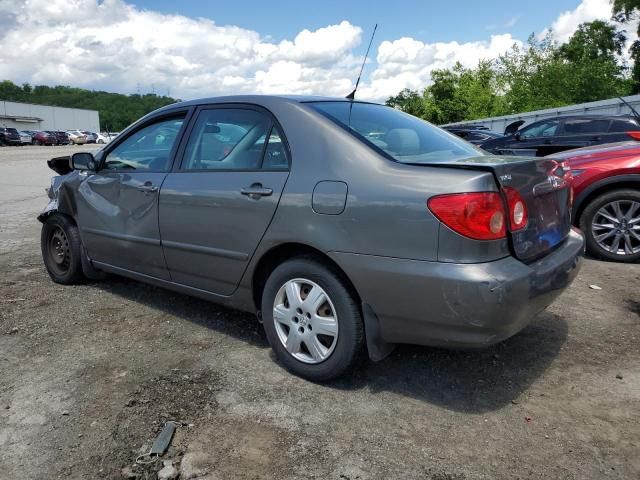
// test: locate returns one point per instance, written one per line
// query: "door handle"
(148, 187)
(596, 138)
(256, 191)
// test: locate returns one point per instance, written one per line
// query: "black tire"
(350, 338)
(61, 250)
(587, 218)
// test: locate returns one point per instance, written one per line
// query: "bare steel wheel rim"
(59, 251)
(305, 320)
(616, 227)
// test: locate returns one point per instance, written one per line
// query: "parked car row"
(551, 135)
(13, 136)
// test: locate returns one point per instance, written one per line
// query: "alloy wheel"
(616, 227)
(305, 320)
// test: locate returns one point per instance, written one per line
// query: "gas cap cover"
(329, 197)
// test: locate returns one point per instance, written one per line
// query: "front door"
(118, 205)
(217, 206)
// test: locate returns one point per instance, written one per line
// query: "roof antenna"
(633, 110)
(352, 95)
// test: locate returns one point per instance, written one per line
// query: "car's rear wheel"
(61, 250)
(312, 320)
(611, 224)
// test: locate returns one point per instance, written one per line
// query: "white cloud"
(589, 10)
(512, 21)
(116, 46)
(408, 63)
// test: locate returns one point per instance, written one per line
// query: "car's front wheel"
(312, 320)
(611, 224)
(61, 250)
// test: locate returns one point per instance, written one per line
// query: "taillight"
(518, 215)
(634, 135)
(477, 215)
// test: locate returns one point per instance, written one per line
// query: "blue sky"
(196, 48)
(428, 21)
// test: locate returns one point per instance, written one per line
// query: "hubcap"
(306, 321)
(616, 227)
(59, 252)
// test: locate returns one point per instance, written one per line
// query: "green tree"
(116, 110)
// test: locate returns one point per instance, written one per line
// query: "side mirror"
(517, 136)
(83, 161)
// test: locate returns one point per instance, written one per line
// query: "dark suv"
(553, 135)
(9, 136)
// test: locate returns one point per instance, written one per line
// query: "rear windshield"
(402, 137)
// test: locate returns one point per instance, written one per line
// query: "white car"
(25, 138)
(105, 137)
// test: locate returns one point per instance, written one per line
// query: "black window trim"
(186, 114)
(178, 164)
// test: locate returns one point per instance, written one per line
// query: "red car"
(606, 187)
(44, 138)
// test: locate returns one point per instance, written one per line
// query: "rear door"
(581, 132)
(217, 204)
(118, 205)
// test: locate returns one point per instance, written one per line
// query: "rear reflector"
(477, 215)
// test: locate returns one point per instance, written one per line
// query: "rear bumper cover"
(460, 305)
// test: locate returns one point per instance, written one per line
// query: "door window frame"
(178, 164)
(187, 116)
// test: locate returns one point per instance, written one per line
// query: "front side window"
(234, 139)
(402, 137)
(146, 149)
(544, 129)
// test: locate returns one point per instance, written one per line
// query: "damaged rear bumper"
(460, 305)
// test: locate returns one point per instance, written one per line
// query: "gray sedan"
(345, 226)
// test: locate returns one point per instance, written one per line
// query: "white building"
(27, 116)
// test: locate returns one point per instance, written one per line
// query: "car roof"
(256, 99)
(589, 117)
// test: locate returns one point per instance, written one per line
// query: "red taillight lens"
(518, 214)
(477, 215)
(634, 135)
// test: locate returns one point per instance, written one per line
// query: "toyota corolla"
(345, 226)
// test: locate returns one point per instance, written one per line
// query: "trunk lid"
(544, 185)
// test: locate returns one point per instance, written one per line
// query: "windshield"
(403, 137)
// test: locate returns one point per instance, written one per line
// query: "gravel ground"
(88, 375)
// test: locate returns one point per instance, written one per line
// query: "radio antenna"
(352, 95)
(633, 110)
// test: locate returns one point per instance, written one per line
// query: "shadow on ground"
(473, 381)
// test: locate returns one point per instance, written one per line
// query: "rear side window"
(234, 139)
(580, 126)
(402, 137)
(621, 126)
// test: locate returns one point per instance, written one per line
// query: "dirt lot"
(88, 374)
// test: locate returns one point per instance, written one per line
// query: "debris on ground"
(595, 287)
(168, 471)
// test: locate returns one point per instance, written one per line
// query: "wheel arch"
(618, 182)
(286, 251)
